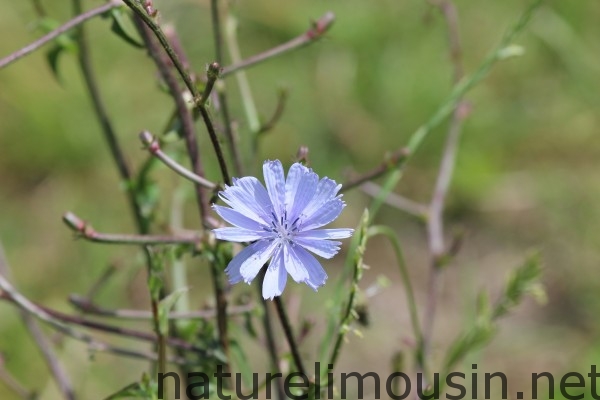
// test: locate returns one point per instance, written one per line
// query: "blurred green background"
(527, 175)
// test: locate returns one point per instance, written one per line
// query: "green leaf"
(52, 56)
(475, 337)
(63, 43)
(123, 26)
(522, 281)
(145, 389)
(241, 361)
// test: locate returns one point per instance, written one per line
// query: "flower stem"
(289, 335)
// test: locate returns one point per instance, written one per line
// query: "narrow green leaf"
(122, 26)
(52, 56)
(522, 281)
(145, 389)
(241, 361)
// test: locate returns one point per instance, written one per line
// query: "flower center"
(283, 228)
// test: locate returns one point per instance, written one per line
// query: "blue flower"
(281, 222)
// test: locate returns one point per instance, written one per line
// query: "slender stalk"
(435, 222)
(192, 146)
(232, 141)
(395, 200)
(85, 305)
(13, 384)
(87, 232)
(410, 295)
(78, 20)
(153, 146)
(160, 36)
(240, 75)
(395, 160)
(289, 334)
(52, 319)
(269, 334)
(315, 32)
(270, 124)
(401, 156)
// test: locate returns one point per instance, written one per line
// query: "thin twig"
(222, 94)
(101, 281)
(415, 141)
(56, 369)
(395, 160)
(289, 334)
(153, 146)
(13, 384)
(316, 31)
(395, 200)
(11, 294)
(85, 305)
(79, 19)
(270, 124)
(87, 232)
(159, 34)
(246, 97)
(435, 222)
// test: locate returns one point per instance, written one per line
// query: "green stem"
(160, 36)
(404, 154)
(410, 296)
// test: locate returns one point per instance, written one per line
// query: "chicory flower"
(282, 224)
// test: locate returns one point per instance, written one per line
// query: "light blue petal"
(233, 234)
(258, 192)
(325, 234)
(300, 187)
(316, 274)
(275, 277)
(233, 269)
(323, 248)
(326, 191)
(293, 264)
(324, 215)
(238, 219)
(275, 182)
(263, 251)
(250, 198)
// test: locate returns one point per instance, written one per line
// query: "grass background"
(526, 178)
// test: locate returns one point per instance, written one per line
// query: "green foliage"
(123, 26)
(145, 389)
(522, 281)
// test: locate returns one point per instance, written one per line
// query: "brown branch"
(435, 222)
(86, 231)
(53, 318)
(87, 306)
(395, 160)
(316, 31)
